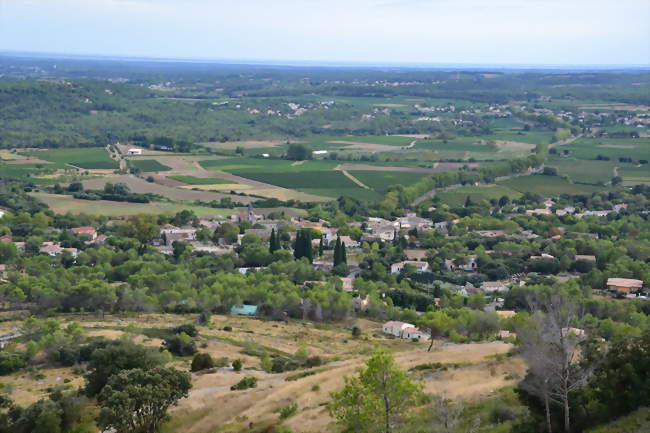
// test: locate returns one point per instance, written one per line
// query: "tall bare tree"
(551, 346)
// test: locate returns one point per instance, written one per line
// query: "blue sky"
(542, 32)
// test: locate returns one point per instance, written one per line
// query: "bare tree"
(552, 347)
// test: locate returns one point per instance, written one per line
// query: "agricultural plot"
(192, 180)
(381, 180)
(64, 203)
(613, 148)
(548, 186)
(633, 175)
(87, 157)
(585, 171)
(264, 165)
(457, 197)
(148, 165)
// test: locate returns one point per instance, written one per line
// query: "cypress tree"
(298, 251)
(337, 251)
(320, 247)
(273, 242)
(344, 256)
(307, 246)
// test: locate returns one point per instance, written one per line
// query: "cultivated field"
(458, 196)
(87, 157)
(548, 186)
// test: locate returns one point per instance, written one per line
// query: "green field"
(87, 157)
(148, 165)
(613, 148)
(64, 203)
(263, 165)
(191, 180)
(548, 186)
(585, 171)
(381, 180)
(456, 197)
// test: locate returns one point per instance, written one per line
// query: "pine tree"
(273, 242)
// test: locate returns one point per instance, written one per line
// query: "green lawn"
(148, 165)
(86, 157)
(191, 180)
(548, 186)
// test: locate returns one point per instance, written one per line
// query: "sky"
(492, 32)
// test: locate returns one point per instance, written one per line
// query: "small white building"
(415, 333)
(395, 327)
(494, 286)
(134, 151)
(419, 266)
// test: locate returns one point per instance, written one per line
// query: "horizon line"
(317, 63)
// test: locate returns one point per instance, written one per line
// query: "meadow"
(613, 148)
(585, 171)
(192, 180)
(87, 157)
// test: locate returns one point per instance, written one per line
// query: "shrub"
(288, 411)
(181, 345)
(356, 332)
(188, 329)
(313, 361)
(227, 328)
(202, 361)
(502, 413)
(315, 387)
(245, 383)
(237, 365)
(10, 362)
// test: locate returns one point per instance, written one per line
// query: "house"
(415, 333)
(505, 314)
(413, 222)
(573, 331)
(624, 285)
(419, 266)
(494, 286)
(542, 256)
(506, 334)
(53, 249)
(490, 233)
(347, 284)
(395, 328)
(329, 235)
(539, 212)
(244, 310)
(134, 151)
(85, 231)
(469, 266)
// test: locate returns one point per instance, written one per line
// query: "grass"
(191, 180)
(548, 186)
(64, 203)
(147, 165)
(380, 180)
(87, 157)
(613, 148)
(456, 197)
(589, 171)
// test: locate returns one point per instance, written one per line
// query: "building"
(134, 151)
(539, 212)
(494, 286)
(624, 285)
(85, 231)
(586, 258)
(419, 266)
(349, 242)
(395, 327)
(415, 334)
(244, 310)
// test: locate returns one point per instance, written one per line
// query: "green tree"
(379, 400)
(141, 227)
(436, 323)
(136, 401)
(298, 152)
(274, 242)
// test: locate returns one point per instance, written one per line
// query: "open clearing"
(211, 406)
(65, 203)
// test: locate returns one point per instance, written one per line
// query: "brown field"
(27, 161)
(141, 186)
(212, 407)
(6, 155)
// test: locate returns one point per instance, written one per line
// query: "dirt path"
(355, 180)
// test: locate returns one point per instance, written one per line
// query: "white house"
(415, 333)
(419, 266)
(395, 328)
(134, 151)
(494, 286)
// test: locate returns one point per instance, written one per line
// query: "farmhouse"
(415, 333)
(85, 231)
(396, 328)
(494, 286)
(419, 266)
(624, 285)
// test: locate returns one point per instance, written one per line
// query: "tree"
(303, 246)
(552, 353)
(379, 400)
(298, 152)
(436, 323)
(202, 361)
(141, 227)
(136, 401)
(115, 357)
(340, 255)
(274, 242)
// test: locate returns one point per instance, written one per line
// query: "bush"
(227, 328)
(245, 383)
(315, 387)
(181, 345)
(356, 332)
(10, 362)
(202, 361)
(288, 411)
(188, 329)
(502, 413)
(314, 361)
(237, 365)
